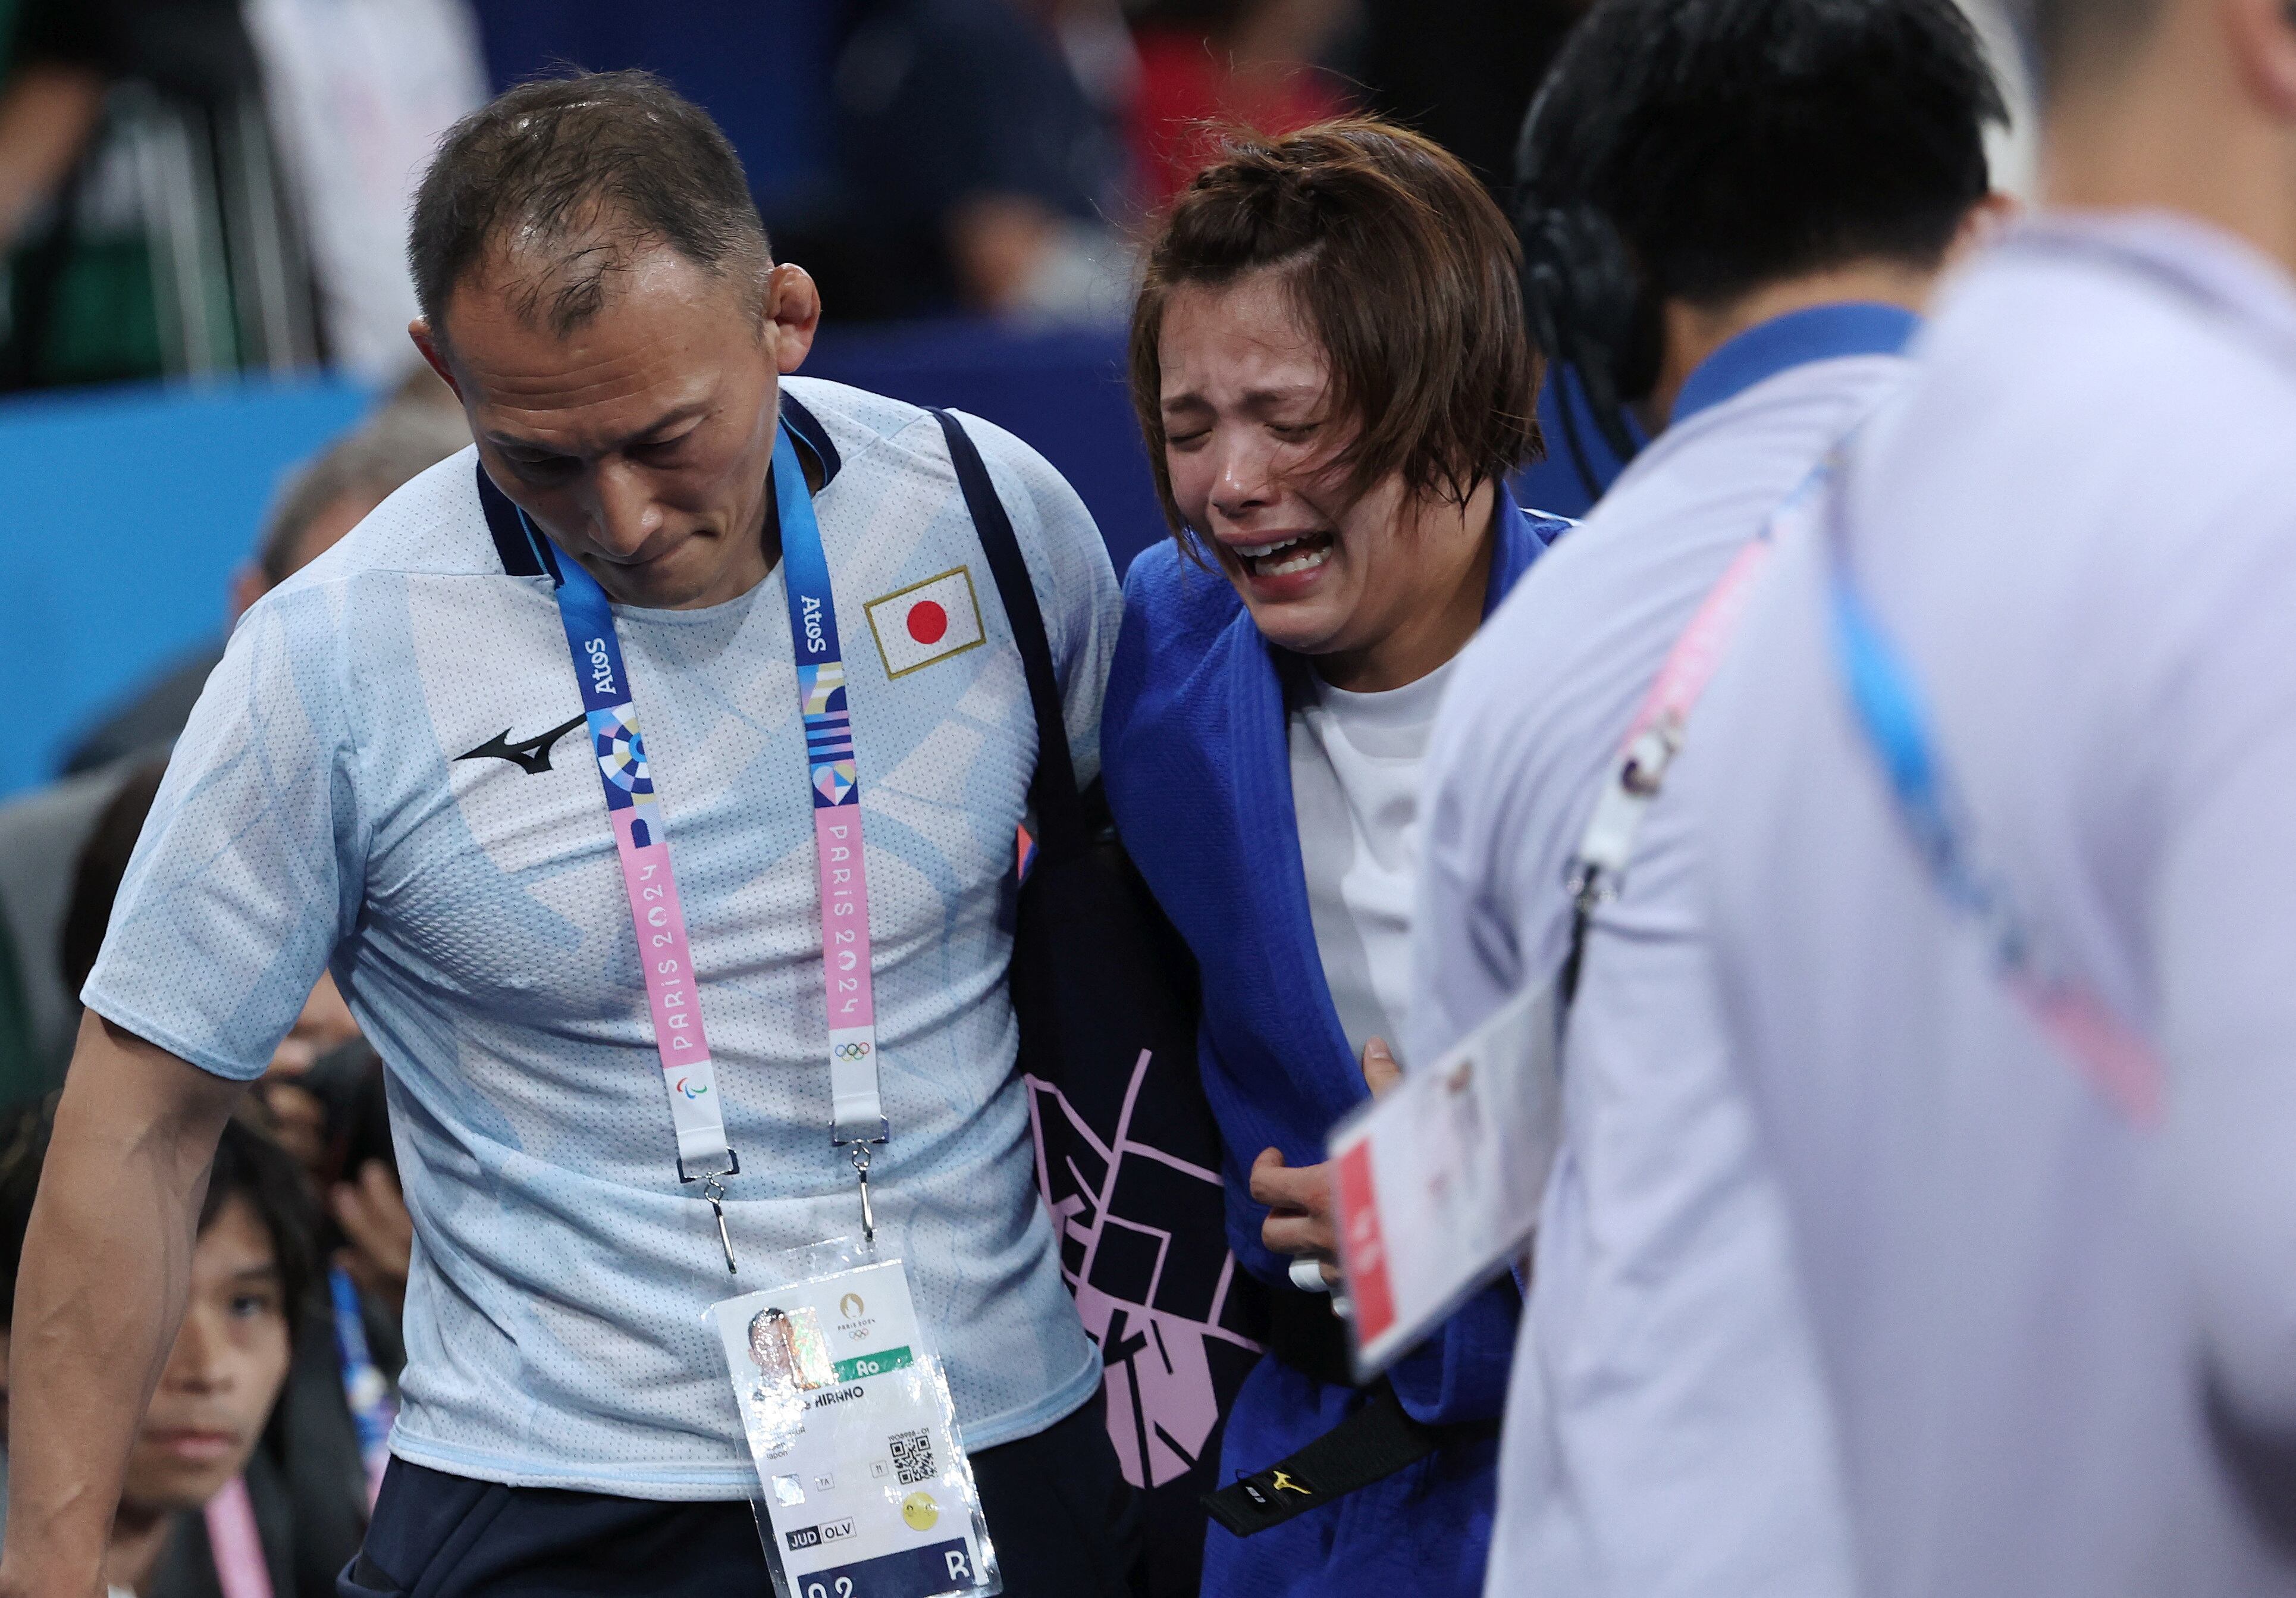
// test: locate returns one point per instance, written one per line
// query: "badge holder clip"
(713, 1188)
(859, 1148)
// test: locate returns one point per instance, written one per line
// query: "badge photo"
(1437, 1185)
(927, 622)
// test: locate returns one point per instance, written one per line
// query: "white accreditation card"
(868, 1491)
(1439, 1184)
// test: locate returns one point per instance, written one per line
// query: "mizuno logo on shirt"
(531, 757)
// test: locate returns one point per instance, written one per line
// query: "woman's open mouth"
(1284, 557)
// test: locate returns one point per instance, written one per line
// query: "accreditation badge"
(868, 1492)
(1438, 1184)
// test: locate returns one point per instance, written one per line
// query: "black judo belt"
(1369, 1445)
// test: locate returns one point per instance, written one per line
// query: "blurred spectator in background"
(358, 92)
(982, 142)
(189, 189)
(1462, 72)
(421, 427)
(206, 1507)
(41, 834)
(1254, 62)
(140, 196)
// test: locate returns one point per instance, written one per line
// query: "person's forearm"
(98, 1295)
(47, 115)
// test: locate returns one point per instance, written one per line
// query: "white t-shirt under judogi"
(1356, 786)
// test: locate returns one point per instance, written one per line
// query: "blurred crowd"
(202, 186)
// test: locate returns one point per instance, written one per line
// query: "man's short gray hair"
(580, 172)
(370, 462)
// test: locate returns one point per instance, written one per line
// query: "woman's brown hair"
(1402, 268)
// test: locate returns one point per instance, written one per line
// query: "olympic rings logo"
(850, 1051)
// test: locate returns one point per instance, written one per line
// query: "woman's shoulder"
(1175, 612)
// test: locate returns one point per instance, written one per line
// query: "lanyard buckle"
(860, 1157)
(713, 1188)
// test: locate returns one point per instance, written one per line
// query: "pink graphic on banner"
(1162, 1409)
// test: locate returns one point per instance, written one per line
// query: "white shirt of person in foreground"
(2055, 1299)
(1665, 1420)
(1667, 1430)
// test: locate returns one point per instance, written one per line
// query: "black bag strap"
(1369, 1445)
(1062, 829)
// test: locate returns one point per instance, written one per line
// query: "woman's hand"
(1300, 1222)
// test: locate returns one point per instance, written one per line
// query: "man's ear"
(2263, 37)
(792, 314)
(1986, 221)
(419, 329)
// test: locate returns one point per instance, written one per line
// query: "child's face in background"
(223, 1375)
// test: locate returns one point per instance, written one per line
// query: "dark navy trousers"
(1065, 1523)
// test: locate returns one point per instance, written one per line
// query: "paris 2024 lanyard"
(633, 804)
(864, 1481)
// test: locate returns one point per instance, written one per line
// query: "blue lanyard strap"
(681, 1042)
(1895, 721)
(856, 1111)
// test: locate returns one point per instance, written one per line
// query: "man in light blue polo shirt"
(1998, 798)
(389, 776)
(1666, 1431)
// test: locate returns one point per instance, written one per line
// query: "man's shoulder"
(2202, 352)
(846, 426)
(881, 440)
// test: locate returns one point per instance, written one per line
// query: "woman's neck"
(1438, 628)
(138, 1534)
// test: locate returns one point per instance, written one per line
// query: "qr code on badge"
(913, 1457)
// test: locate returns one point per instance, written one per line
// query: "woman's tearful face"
(1258, 468)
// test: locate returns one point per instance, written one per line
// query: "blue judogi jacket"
(1195, 751)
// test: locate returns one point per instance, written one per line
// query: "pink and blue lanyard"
(858, 1118)
(1894, 717)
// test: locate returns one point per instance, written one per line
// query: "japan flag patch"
(927, 622)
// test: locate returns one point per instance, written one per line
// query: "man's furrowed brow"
(676, 416)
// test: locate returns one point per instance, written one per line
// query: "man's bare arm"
(98, 1295)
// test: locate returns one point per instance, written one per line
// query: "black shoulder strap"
(1059, 808)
